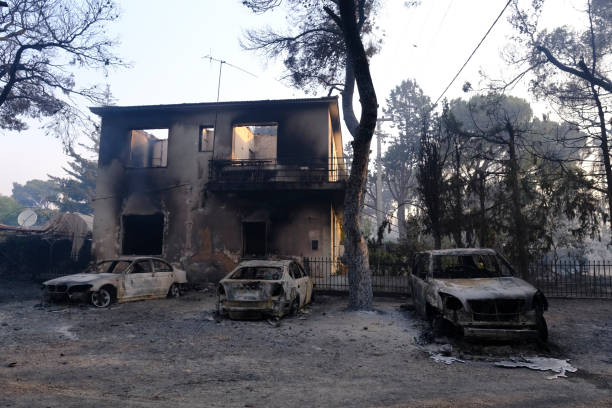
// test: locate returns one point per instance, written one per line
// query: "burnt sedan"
(474, 292)
(264, 287)
(122, 279)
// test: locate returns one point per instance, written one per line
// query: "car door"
(164, 276)
(139, 280)
(300, 280)
(418, 282)
(307, 282)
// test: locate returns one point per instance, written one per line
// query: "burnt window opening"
(315, 244)
(254, 141)
(254, 238)
(207, 138)
(148, 148)
(143, 234)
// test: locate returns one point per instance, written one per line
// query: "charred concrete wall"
(203, 229)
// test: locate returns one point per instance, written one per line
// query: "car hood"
(80, 278)
(486, 288)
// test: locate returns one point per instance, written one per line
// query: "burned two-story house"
(207, 184)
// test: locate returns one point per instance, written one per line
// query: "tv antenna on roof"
(221, 62)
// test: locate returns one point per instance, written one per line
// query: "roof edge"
(104, 110)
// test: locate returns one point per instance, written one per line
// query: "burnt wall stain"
(203, 228)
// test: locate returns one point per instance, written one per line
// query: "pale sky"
(165, 42)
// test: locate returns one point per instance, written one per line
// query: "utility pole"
(379, 203)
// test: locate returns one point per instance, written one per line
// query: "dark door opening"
(253, 238)
(143, 234)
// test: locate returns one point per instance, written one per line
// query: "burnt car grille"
(497, 310)
(57, 288)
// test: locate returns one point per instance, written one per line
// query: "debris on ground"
(556, 365)
(274, 322)
(448, 360)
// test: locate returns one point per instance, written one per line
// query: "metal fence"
(556, 279)
(281, 170)
(331, 275)
(584, 279)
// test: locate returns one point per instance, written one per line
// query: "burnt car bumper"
(502, 327)
(266, 307)
(77, 293)
(498, 333)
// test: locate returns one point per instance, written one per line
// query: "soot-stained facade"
(207, 184)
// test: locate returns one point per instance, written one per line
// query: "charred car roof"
(264, 262)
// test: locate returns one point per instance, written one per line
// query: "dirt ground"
(173, 352)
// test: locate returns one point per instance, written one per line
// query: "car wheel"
(542, 328)
(101, 298)
(174, 291)
(441, 326)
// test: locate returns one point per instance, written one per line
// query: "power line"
(473, 52)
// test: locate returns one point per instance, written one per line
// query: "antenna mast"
(221, 62)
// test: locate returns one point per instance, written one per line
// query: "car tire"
(102, 298)
(541, 327)
(174, 291)
(441, 327)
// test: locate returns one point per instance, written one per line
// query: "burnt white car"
(264, 287)
(473, 289)
(122, 279)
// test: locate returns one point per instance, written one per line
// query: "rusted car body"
(122, 279)
(474, 290)
(264, 287)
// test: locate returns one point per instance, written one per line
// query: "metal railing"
(331, 275)
(563, 279)
(280, 170)
(573, 279)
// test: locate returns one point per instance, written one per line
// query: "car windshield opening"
(110, 267)
(258, 273)
(465, 266)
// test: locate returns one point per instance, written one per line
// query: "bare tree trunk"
(605, 150)
(457, 209)
(437, 238)
(481, 198)
(519, 223)
(401, 221)
(360, 279)
(350, 120)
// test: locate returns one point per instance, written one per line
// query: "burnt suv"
(473, 291)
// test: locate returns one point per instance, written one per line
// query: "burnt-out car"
(474, 292)
(121, 279)
(264, 288)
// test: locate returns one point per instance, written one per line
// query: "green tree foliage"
(35, 193)
(570, 67)
(408, 108)
(9, 210)
(78, 189)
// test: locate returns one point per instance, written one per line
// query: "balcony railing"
(282, 170)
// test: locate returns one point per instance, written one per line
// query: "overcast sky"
(165, 41)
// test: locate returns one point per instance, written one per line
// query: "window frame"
(129, 163)
(170, 269)
(212, 144)
(141, 261)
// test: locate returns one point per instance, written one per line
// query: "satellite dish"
(27, 218)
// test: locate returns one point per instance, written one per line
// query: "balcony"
(277, 174)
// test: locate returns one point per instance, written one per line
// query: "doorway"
(254, 238)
